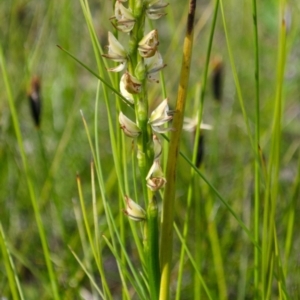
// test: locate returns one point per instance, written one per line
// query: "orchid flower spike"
(123, 18)
(116, 52)
(134, 211)
(160, 116)
(155, 178)
(130, 128)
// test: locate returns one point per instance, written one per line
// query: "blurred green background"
(29, 34)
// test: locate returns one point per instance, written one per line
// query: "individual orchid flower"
(155, 178)
(154, 64)
(148, 44)
(134, 211)
(155, 8)
(156, 147)
(116, 52)
(130, 128)
(130, 84)
(190, 124)
(160, 116)
(124, 19)
(123, 91)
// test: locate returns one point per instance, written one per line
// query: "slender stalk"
(195, 150)
(169, 195)
(291, 218)
(274, 163)
(256, 149)
(13, 280)
(235, 77)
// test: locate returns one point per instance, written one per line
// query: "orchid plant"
(140, 63)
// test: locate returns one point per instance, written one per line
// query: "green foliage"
(63, 231)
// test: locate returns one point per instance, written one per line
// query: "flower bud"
(134, 211)
(129, 127)
(217, 78)
(200, 150)
(35, 100)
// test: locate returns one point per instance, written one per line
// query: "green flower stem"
(145, 156)
(151, 246)
(169, 195)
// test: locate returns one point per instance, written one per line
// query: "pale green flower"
(129, 127)
(134, 211)
(116, 52)
(160, 116)
(155, 9)
(148, 44)
(153, 65)
(190, 124)
(155, 178)
(123, 17)
(129, 85)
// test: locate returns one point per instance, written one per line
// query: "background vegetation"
(59, 150)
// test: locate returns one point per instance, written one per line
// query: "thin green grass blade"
(97, 76)
(38, 219)
(84, 242)
(134, 279)
(272, 190)
(182, 240)
(91, 243)
(199, 108)
(236, 79)
(217, 193)
(14, 284)
(257, 171)
(87, 273)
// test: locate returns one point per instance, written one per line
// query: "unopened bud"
(217, 78)
(35, 101)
